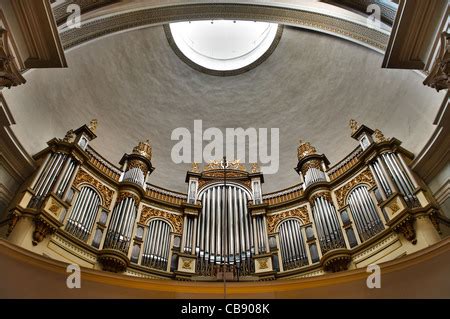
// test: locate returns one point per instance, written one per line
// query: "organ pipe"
(327, 224)
(224, 235)
(123, 219)
(156, 247)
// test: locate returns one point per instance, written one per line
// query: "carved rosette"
(365, 177)
(406, 228)
(175, 220)
(42, 229)
(84, 178)
(300, 213)
(325, 194)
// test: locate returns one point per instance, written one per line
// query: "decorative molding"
(406, 228)
(84, 178)
(439, 75)
(42, 229)
(388, 9)
(60, 10)
(274, 220)
(175, 220)
(364, 177)
(325, 194)
(9, 71)
(105, 25)
(124, 194)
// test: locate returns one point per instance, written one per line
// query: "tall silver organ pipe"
(157, 244)
(47, 178)
(134, 175)
(223, 236)
(83, 214)
(327, 224)
(121, 225)
(381, 177)
(72, 164)
(400, 177)
(314, 175)
(364, 213)
(293, 252)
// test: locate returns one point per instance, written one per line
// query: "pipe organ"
(224, 232)
(224, 226)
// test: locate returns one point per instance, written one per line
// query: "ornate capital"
(123, 195)
(439, 75)
(9, 73)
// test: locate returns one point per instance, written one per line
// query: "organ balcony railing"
(223, 224)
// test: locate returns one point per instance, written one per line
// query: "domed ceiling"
(138, 88)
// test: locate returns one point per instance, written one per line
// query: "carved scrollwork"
(305, 149)
(175, 220)
(274, 220)
(365, 177)
(9, 73)
(439, 74)
(84, 178)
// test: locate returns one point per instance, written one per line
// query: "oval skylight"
(224, 45)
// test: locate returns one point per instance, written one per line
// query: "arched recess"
(157, 244)
(292, 244)
(84, 212)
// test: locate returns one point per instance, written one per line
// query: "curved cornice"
(299, 17)
(399, 268)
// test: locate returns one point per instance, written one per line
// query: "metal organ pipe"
(382, 178)
(293, 252)
(156, 248)
(364, 212)
(224, 236)
(83, 214)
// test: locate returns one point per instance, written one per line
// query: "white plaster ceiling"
(138, 88)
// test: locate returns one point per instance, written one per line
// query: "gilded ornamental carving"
(84, 178)
(274, 220)
(379, 136)
(353, 125)
(439, 75)
(305, 149)
(175, 220)
(9, 73)
(325, 194)
(123, 195)
(144, 149)
(365, 177)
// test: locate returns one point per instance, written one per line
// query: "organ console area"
(368, 208)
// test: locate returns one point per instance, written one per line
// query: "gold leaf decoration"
(365, 177)
(175, 220)
(84, 178)
(274, 220)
